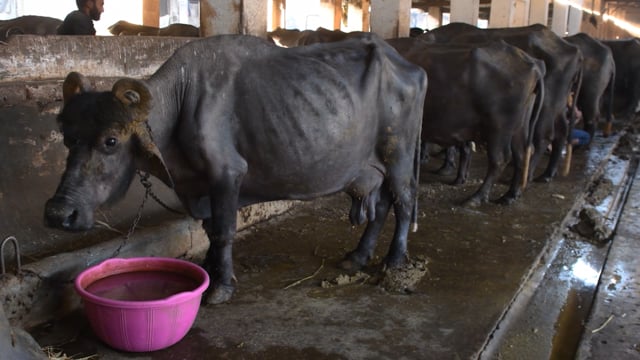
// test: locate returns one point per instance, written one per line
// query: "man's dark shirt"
(77, 23)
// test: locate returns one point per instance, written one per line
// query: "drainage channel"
(546, 318)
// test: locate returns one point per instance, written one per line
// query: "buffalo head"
(107, 137)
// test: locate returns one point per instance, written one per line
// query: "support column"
(277, 11)
(500, 13)
(330, 14)
(539, 12)
(520, 13)
(391, 19)
(574, 23)
(337, 15)
(465, 11)
(355, 16)
(233, 17)
(151, 13)
(435, 17)
(559, 20)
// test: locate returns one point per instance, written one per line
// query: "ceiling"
(631, 7)
(423, 4)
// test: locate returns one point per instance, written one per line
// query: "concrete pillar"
(277, 11)
(539, 12)
(366, 15)
(500, 13)
(355, 16)
(520, 13)
(233, 17)
(509, 13)
(435, 17)
(151, 13)
(391, 19)
(330, 14)
(337, 15)
(574, 22)
(559, 20)
(465, 11)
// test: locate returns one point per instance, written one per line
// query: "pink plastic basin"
(142, 304)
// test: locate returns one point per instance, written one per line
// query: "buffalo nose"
(57, 214)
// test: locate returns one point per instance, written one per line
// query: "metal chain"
(144, 180)
(146, 183)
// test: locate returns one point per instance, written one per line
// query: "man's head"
(93, 8)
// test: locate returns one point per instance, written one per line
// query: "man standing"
(80, 22)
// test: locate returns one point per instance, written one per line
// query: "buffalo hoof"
(543, 179)
(353, 262)
(394, 262)
(473, 201)
(220, 294)
(446, 170)
(459, 181)
(506, 200)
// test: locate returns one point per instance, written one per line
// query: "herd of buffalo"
(234, 120)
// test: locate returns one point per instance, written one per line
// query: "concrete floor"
(500, 280)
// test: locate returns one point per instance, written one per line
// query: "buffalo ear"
(73, 84)
(151, 159)
(135, 95)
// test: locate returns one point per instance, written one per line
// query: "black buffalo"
(122, 27)
(626, 54)
(490, 93)
(563, 78)
(29, 24)
(294, 37)
(233, 120)
(598, 76)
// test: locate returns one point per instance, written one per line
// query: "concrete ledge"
(32, 57)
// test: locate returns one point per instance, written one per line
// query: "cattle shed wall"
(32, 69)
(30, 57)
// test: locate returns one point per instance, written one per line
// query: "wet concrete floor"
(480, 261)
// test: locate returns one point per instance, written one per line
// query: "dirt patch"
(405, 279)
(602, 188)
(592, 226)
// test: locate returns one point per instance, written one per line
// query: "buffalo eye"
(110, 142)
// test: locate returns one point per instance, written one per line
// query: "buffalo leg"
(554, 159)
(397, 254)
(463, 167)
(403, 194)
(497, 154)
(561, 129)
(359, 257)
(518, 151)
(449, 163)
(221, 229)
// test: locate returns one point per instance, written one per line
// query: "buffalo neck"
(166, 92)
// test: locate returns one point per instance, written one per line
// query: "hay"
(57, 354)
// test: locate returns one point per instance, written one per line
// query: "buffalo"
(234, 120)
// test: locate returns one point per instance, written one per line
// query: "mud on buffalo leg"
(404, 192)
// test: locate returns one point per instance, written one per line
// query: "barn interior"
(551, 276)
